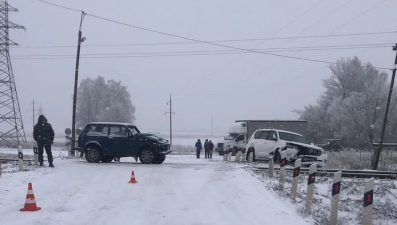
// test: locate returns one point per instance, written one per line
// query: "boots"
(51, 165)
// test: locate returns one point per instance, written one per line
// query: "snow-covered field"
(183, 190)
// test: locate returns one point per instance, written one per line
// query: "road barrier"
(282, 170)
(336, 187)
(238, 155)
(310, 186)
(243, 157)
(295, 178)
(20, 156)
(335, 197)
(36, 156)
(368, 200)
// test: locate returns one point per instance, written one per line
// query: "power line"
(63, 7)
(190, 42)
(314, 48)
(205, 42)
(189, 39)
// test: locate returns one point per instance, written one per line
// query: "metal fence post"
(295, 177)
(282, 170)
(368, 200)
(310, 186)
(335, 197)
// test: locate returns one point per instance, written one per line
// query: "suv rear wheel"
(147, 156)
(93, 154)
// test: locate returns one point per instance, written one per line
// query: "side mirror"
(78, 131)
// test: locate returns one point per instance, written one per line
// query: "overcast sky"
(226, 87)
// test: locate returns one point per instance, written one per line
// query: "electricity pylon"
(11, 125)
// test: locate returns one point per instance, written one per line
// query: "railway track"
(345, 173)
(14, 160)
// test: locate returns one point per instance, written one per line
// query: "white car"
(266, 141)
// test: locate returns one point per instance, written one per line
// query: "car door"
(119, 141)
(270, 142)
(96, 133)
(259, 143)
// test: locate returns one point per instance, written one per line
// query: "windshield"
(292, 137)
(231, 137)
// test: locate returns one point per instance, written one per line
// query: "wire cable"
(187, 38)
(190, 42)
(63, 7)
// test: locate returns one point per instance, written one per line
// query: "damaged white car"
(271, 142)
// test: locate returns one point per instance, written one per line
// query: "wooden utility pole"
(375, 159)
(170, 112)
(76, 79)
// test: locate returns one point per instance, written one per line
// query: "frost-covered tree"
(352, 105)
(99, 100)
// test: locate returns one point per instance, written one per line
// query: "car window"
(270, 136)
(97, 130)
(257, 134)
(118, 131)
(264, 135)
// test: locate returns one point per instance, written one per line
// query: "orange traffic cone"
(133, 181)
(30, 203)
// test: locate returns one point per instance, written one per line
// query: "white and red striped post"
(335, 197)
(368, 200)
(295, 177)
(238, 155)
(282, 170)
(36, 156)
(310, 185)
(20, 156)
(271, 164)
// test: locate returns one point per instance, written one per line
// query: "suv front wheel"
(93, 154)
(147, 156)
(159, 159)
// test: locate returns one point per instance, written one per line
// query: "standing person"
(210, 149)
(198, 147)
(206, 148)
(43, 134)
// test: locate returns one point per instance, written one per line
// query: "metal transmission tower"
(11, 125)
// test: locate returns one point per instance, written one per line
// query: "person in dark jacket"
(199, 147)
(206, 148)
(43, 134)
(210, 149)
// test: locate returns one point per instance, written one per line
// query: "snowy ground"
(183, 190)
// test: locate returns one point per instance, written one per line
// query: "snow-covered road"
(184, 190)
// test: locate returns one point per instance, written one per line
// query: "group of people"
(208, 148)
